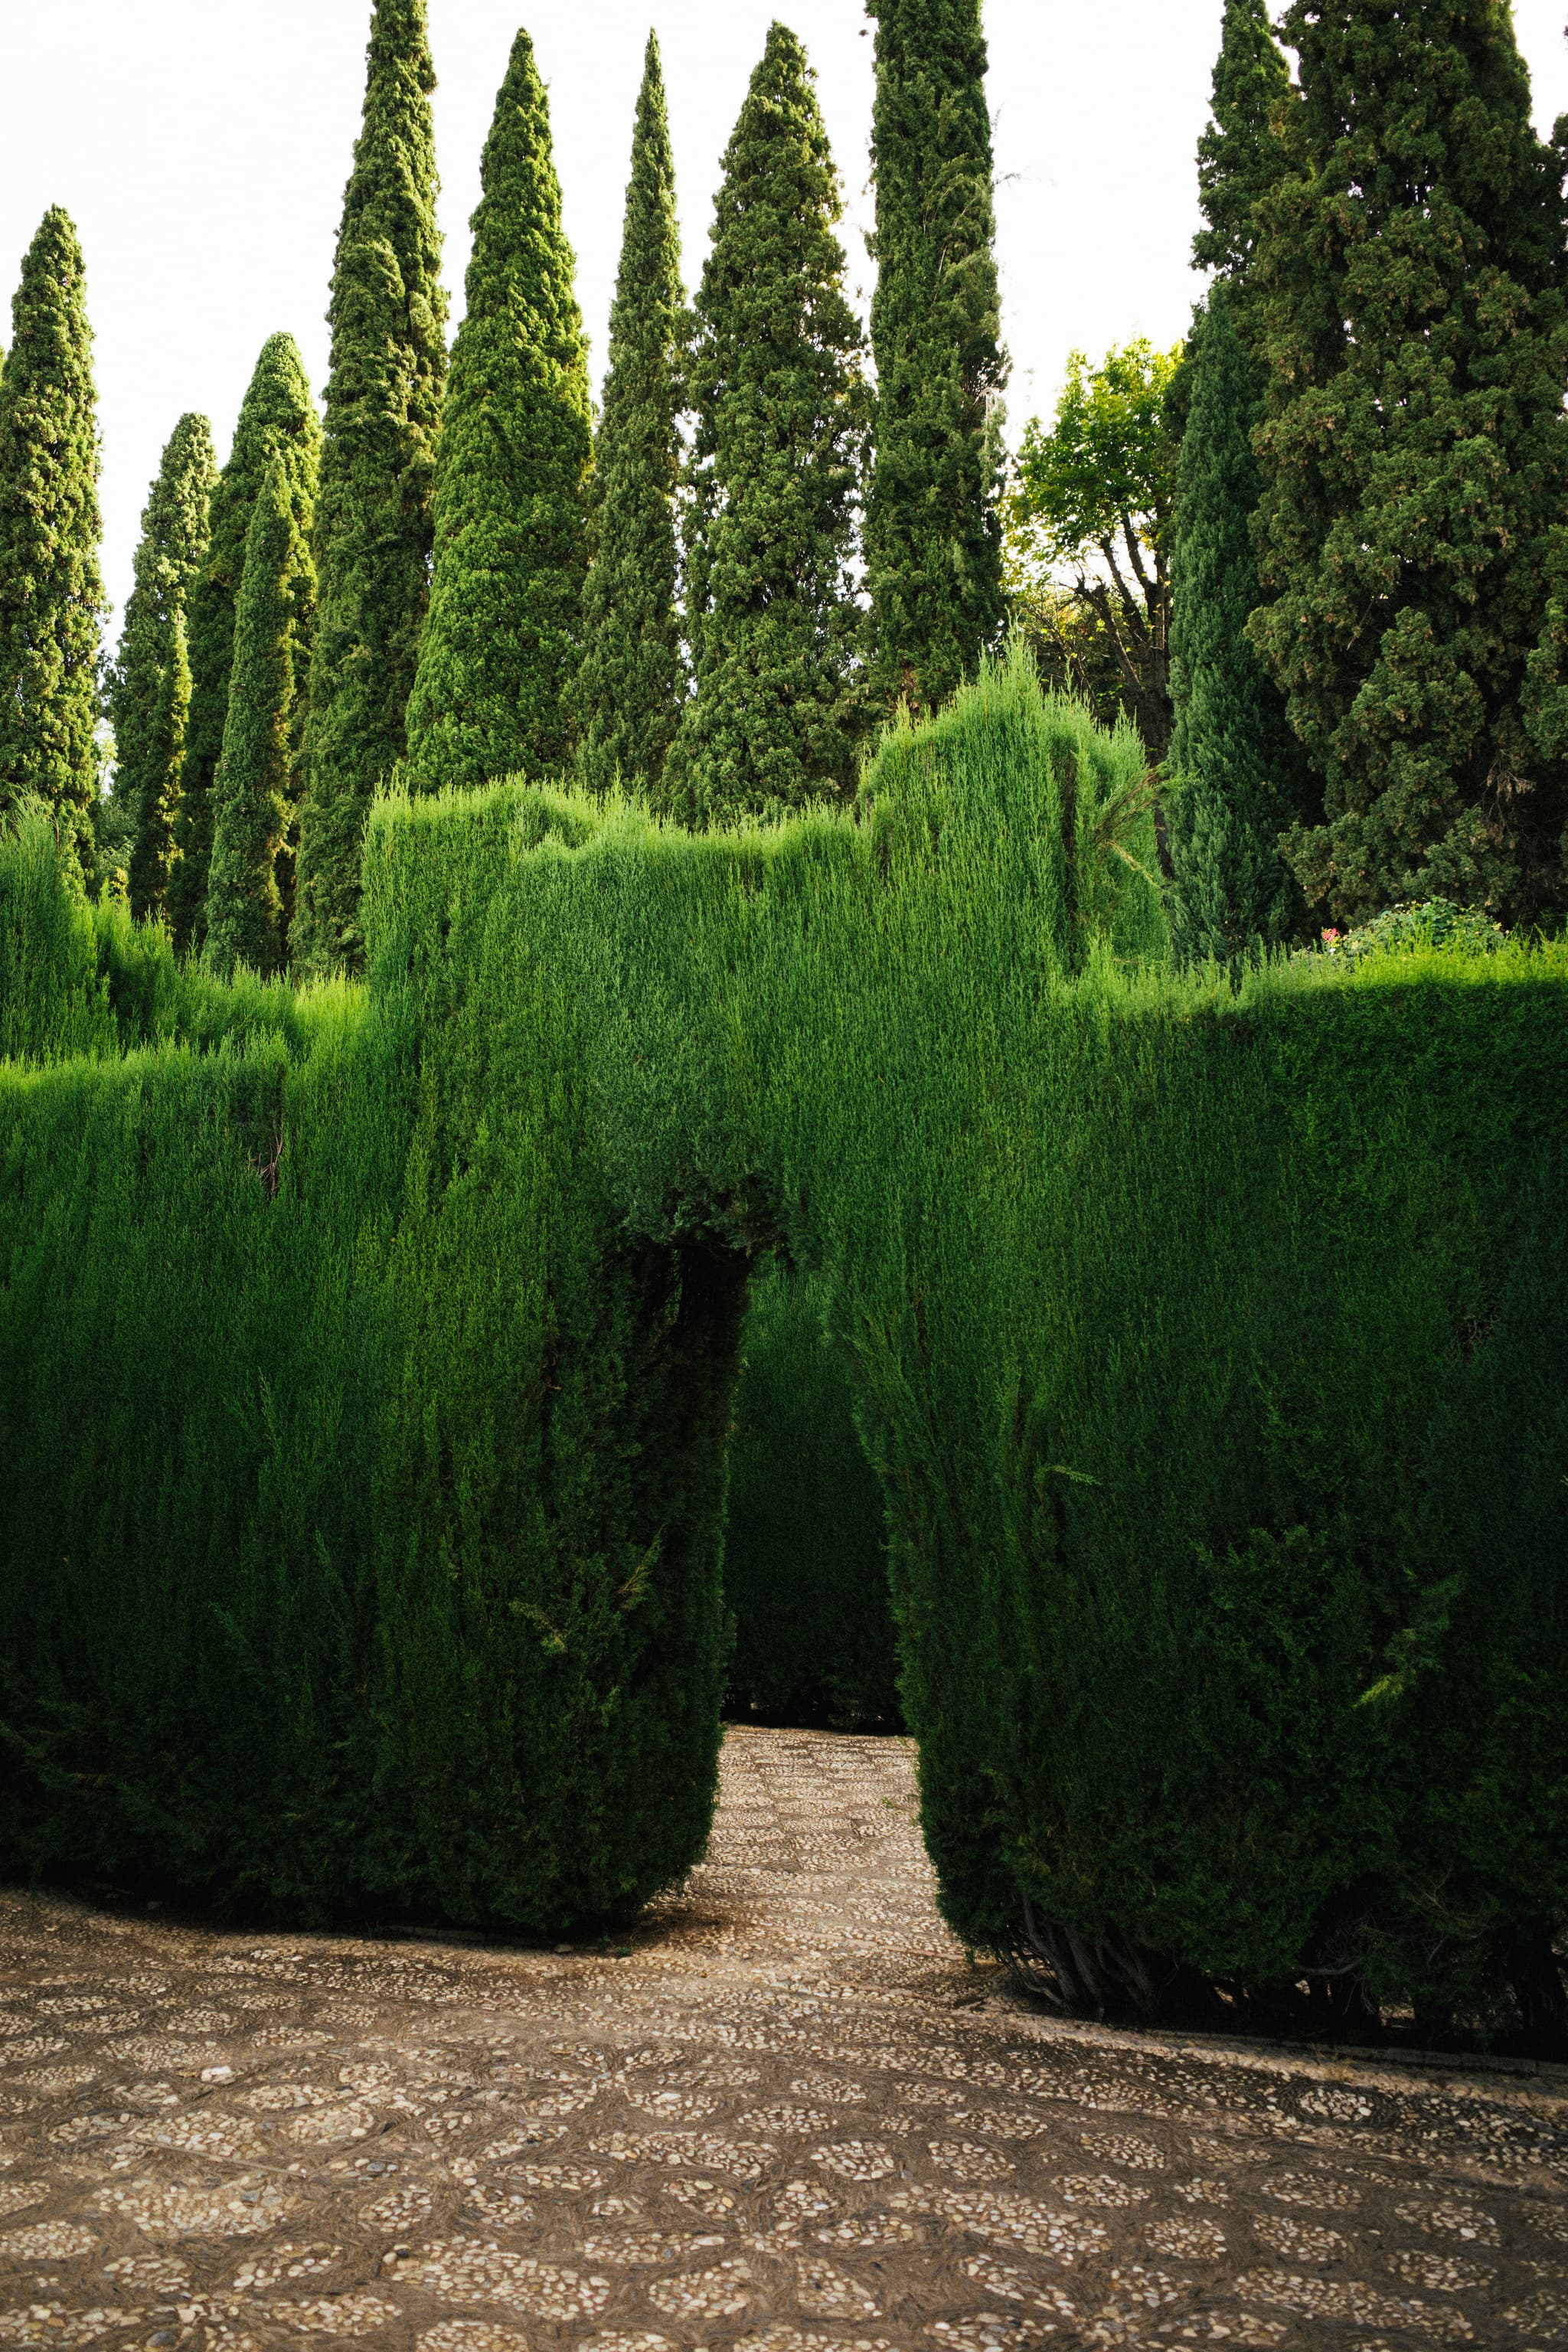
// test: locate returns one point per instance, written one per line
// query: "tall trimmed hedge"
(1209, 1346)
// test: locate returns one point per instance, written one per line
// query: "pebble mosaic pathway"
(793, 2119)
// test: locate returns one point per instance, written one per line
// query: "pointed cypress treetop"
(503, 637)
(628, 692)
(781, 411)
(1413, 271)
(277, 418)
(149, 686)
(374, 533)
(934, 537)
(51, 591)
(1240, 155)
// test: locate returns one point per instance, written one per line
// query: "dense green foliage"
(1241, 154)
(1413, 318)
(422, 1604)
(1094, 497)
(149, 689)
(80, 976)
(51, 594)
(933, 534)
(373, 531)
(1235, 763)
(256, 793)
(628, 691)
(1246, 1661)
(781, 404)
(277, 418)
(805, 1565)
(503, 634)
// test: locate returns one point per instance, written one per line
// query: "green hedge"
(363, 1482)
(1209, 1348)
(805, 1564)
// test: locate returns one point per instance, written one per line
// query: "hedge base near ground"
(363, 1399)
(805, 1563)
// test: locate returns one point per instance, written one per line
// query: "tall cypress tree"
(782, 410)
(1413, 320)
(277, 417)
(149, 687)
(1234, 763)
(1239, 774)
(51, 592)
(934, 537)
(374, 534)
(1240, 155)
(627, 695)
(257, 788)
(503, 637)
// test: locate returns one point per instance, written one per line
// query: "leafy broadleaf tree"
(503, 635)
(628, 692)
(257, 790)
(1412, 271)
(1234, 765)
(277, 418)
(781, 409)
(1093, 499)
(374, 526)
(934, 532)
(148, 686)
(51, 591)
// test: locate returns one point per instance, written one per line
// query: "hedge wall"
(805, 1558)
(1209, 1348)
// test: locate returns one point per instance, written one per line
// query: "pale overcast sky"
(202, 147)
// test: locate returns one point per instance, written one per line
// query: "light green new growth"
(257, 788)
(374, 529)
(503, 637)
(277, 417)
(782, 407)
(51, 594)
(627, 695)
(149, 687)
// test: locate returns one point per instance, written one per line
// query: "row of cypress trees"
(453, 580)
(1370, 643)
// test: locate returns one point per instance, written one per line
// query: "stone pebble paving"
(794, 2118)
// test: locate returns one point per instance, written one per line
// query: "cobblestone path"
(793, 2119)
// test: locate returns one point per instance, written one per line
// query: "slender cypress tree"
(51, 593)
(1413, 320)
(1241, 154)
(257, 788)
(277, 417)
(373, 537)
(627, 695)
(1234, 763)
(149, 687)
(782, 410)
(503, 637)
(933, 535)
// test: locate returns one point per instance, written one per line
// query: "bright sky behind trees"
(201, 146)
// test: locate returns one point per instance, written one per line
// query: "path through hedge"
(793, 2118)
